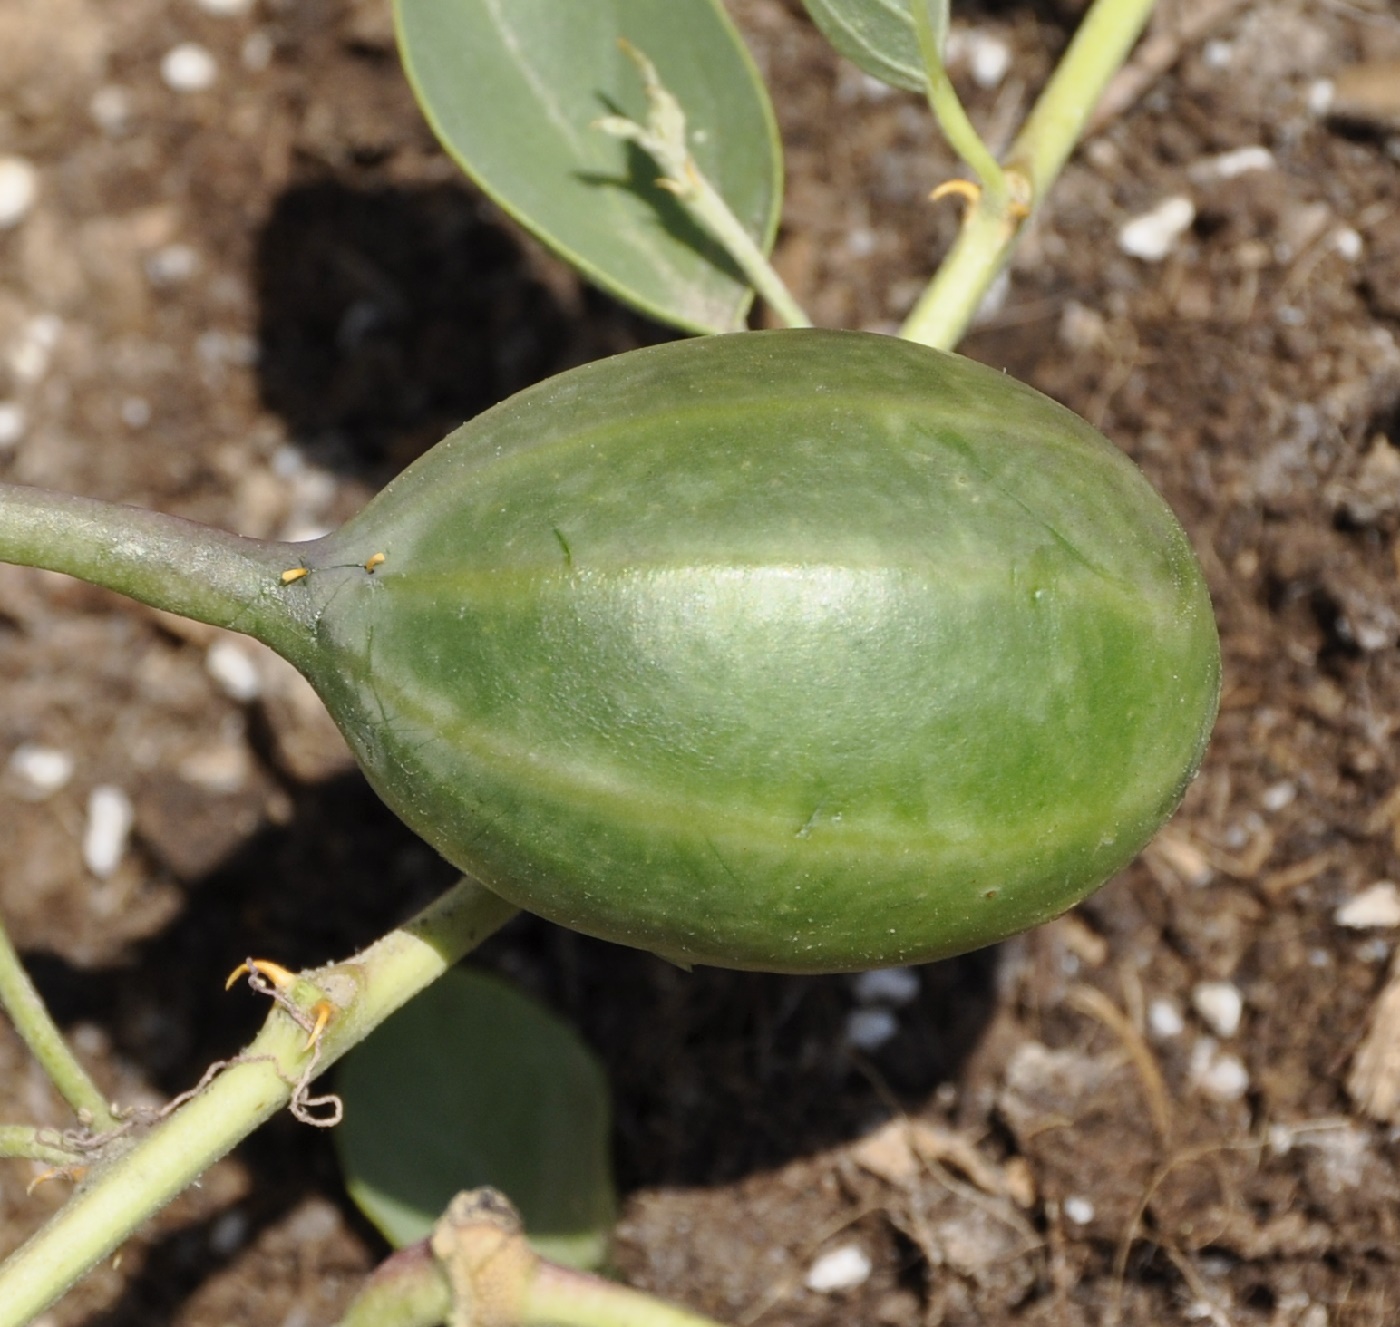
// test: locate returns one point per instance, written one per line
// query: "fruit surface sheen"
(799, 651)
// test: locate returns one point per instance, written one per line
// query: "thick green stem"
(169, 563)
(1035, 159)
(126, 1189)
(35, 1025)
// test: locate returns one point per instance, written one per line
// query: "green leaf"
(474, 1084)
(513, 91)
(878, 35)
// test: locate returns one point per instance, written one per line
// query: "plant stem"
(40, 1033)
(1037, 156)
(19, 1140)
(495, 1267)
(169, 563)
(663, 139)
(567, 1298)
(125, 1190)
(952, 119)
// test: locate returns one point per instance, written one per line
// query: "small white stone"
(1164, 1019)
(19, 187)
(1377, 906)
(235, 670)
(1278, 795)
(842, 1268)
(257, 52)
(1079, 1210)
(217, 348)
(896, 986)
(1220, 1005)
(172, 264)
(225, 8)
(1081, 328)
(988, 59)
(223, 767)
(1218, 1073)
(228, 1233)
(189, 67)
(860, 241)
(109, 821)
(1218, 54)
(110, 108)
(1152, 235)
(1231, 165)
(13, 422)
(33, 350)
(1348, 243)
(1321, 95)
(43, 769)
(136, 412)
(869, 1029)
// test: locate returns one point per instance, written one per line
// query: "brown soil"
(251, 304)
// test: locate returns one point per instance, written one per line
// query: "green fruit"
(803, 651)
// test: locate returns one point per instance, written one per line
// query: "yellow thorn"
(283, 978)
(295, 574)
(73, 1173)
(321, 1013)
(279, 976)
(376, 559)
(964, 189)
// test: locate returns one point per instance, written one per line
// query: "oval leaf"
(472, 1084)
(514, 91)
(877, 35)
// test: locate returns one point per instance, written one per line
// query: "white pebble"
(869, 1029)
(1218, 1073)
(1348, 243)
(1230, 165)
(13, 422)
(257, 52)
(228, 1233)
(1152, 235)
(1278, 795)
(34, 347)
(988, 59)
(44, 769)
(171, 264)
(110, 108)
(109, 822)
(842, 1268)
(1081, 328)
(188, 67)
(1218, 54)
(1164, 1019)
(1374, 907)
(1321, 95)
(1079, 1210)
(235, 670)
(896, 986)
(19, 186)
(861, 241)
(225, 8)
(1220, 1005)
(136, 412)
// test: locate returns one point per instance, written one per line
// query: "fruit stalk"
(163, 561)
